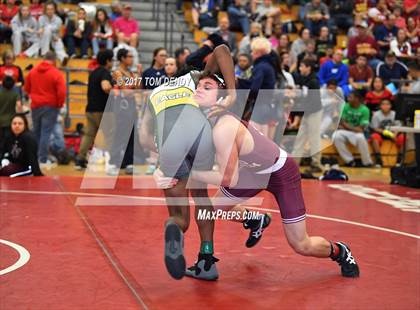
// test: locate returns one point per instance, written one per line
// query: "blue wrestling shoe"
(345, 259)
(174, 251)
(257, 227)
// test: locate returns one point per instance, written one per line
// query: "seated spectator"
(298, 45)
(116, 10)
(50, 32)
(25, 33)
(8, 68)
(400, 21)
(204, 13)
(361, 8)
(411, 7)
(18, 152)
(382, 119)
(243, 68)
(275, 37)
(78, 34)
(329, 52)
(284, 59)
(342, 13)
(36, 8)
(364, 44)
(401, 46)
(102, 32)
(308, 53)
(245, 44)
(337, 70)
(7, 12)
(325, 40)
(238, 16)
(391, 69)
(153, 76)
(170, 67)
(283, 44)
(360, 75)
(377, 93)
(378, 12)
(354, 120)
(127, 28)
(414, 76)
(385, 33)
(181, 55)
(10, 103)
(331, 98)
(353, 31)
(266, 12)
(227, 35)
(413, 33)
(316, 16)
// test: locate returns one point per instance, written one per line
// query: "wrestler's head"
(208, 90)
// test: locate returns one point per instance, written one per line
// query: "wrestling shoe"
(174, 251)
(349, 267)
(204, 268)
(257, 227)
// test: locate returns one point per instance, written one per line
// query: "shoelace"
(257, 233)
(350, 258)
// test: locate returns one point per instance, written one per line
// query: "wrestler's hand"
(163, 182)
(221, 107)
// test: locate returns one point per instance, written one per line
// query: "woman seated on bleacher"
(102, 32)
(78, 35)
(25, 33)
(7, 11)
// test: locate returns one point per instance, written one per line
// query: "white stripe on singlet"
(277, 165)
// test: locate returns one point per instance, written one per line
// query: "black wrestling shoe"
(349, 267)
(257, 227)
(174, 251)
(204, 268)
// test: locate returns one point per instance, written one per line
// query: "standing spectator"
(102, 32)
(99, 87)
(335, 69)
(152, 77)
(243, 68)
(133, 51)
(8, 68)
(181, 55)
(298, 46)
(391, 69)
(116, 10)
(78, 33)
(385, 33)
(377, 93)
(310, 103)
(364, 44)
(354, 121)
(382, 119)
(360, 74)
(245, 44)
(25, 32)
(342, 13)
(46, 87)
(18, 151)
(316, 16)
(7, 12)
(325, 40)
(413, 32)
(266, 12)
(227, 35)
(238, 16)
(401, 46)
(9, 104)
(127, 28)
(49, 29)
(36, 8)
(204, 13)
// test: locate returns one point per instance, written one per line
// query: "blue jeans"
(109, 43)
(72, 42)
(57, 143)
(238, 18)
(44, 119)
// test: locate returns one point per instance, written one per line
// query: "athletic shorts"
(187, 141)
(284, 184)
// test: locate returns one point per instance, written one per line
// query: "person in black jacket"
(78, 34)
(18, 152)
(309, 102)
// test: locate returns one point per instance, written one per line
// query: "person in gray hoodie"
(49, 30)
(25, 30)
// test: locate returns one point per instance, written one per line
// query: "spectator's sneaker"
(204, 268)
(80, 164)
(316, 169)
(174, 251)
(257, 227)
(112, 170)
(48, 165)
(345, 259)
(351, 164)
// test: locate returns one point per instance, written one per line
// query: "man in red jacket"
(47, 89)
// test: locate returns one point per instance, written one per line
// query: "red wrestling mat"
(111, 257)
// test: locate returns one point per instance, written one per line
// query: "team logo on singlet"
(172, 97)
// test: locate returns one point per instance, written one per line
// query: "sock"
(206, 247)
(335, 250)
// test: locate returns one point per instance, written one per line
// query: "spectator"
(226, 35)
(401, 46)
(332, 97)
(298, 46)
(116, 10)
(353, 31)
(152, 77)
(102, 32)
(238, 16)
(391, 69)
(133, 51)
(382, 119)
(9, 104)
(414, 76)
(243, 68)
(360, 75)
(275, 37)
(284, 59)
(308, 53)
(170, 67)
(377, 93)
(204, 13)
(18, 152)
(342, 13)
(325, 40)
(329, 52)
(36, 8)
(266, 12)
(310, 104)
(385, 33)
(181, 55)
(46, 87)
(354, 121)
(245, 44)
(49, 29)
(411, 7)
(413, 33)
(284, 44)
(335, 69)
(8, 68)
(7, 12)
(127, 28)
(78, 33)
(378, 12)
(400, 22)
(25, 33)
(364, 44)
(316, 16)
(99, 87)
